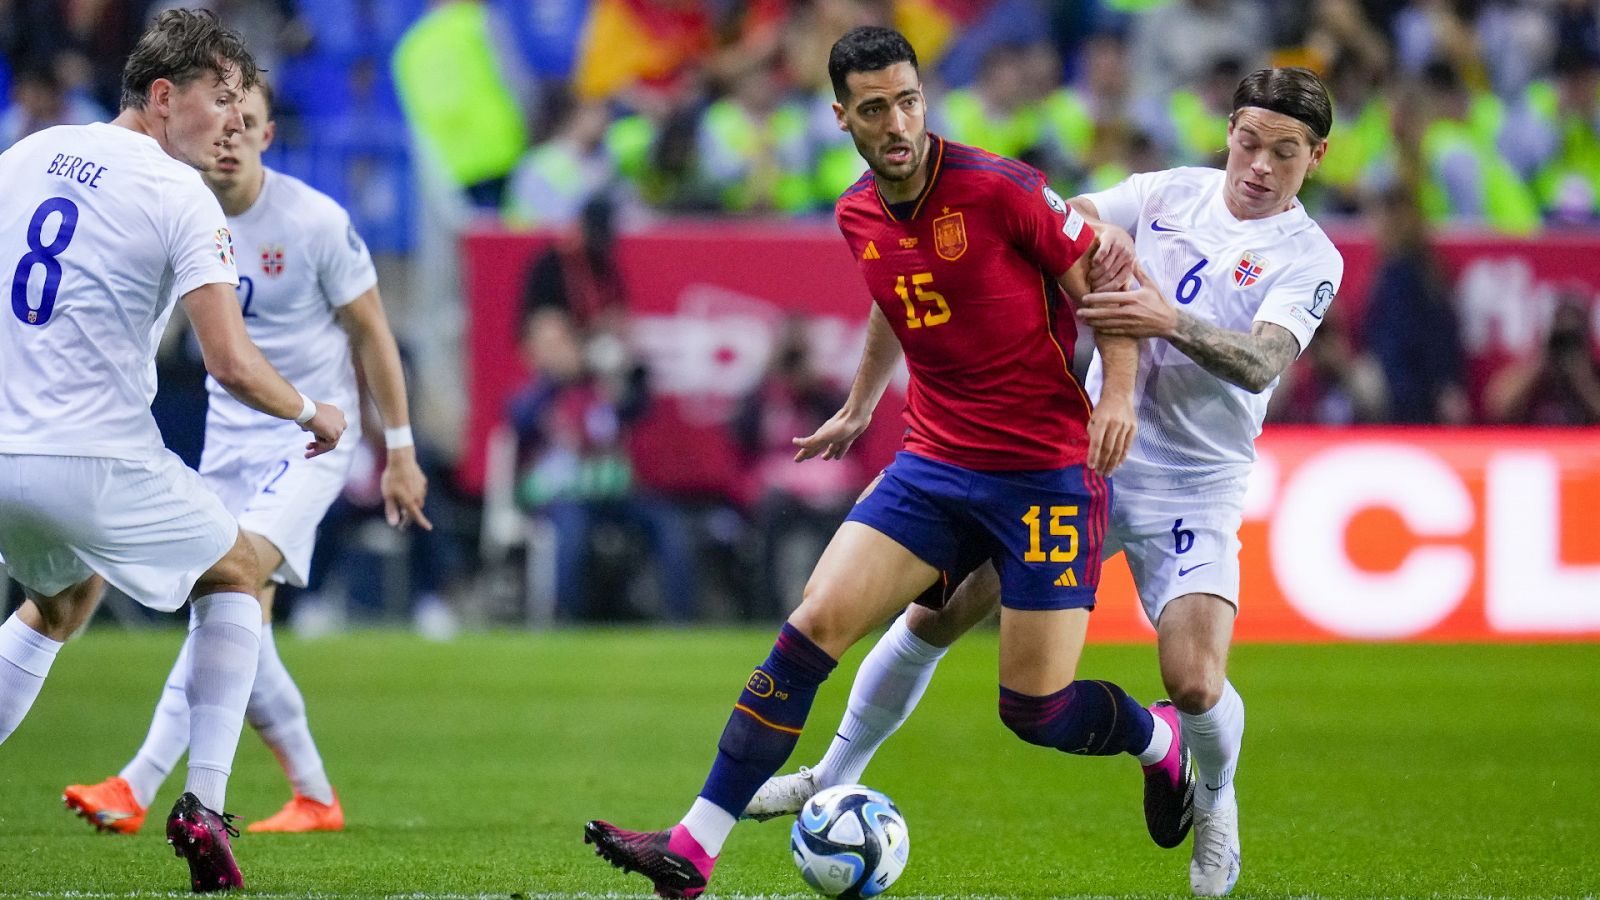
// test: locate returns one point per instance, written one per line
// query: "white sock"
(1214, 738)
(25, 658)
(709, 825)
(222, 665)
(277, 711)
(168, 736)
(891, 680)
(1160, 742)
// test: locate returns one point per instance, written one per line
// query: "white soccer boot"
(1214, 868)
(782, 795)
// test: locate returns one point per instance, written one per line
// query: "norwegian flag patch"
(1249, 270)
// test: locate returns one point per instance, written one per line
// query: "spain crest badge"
(950, 236)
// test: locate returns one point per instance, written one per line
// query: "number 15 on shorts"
(1063, 533)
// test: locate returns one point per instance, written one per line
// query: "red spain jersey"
(967, 276)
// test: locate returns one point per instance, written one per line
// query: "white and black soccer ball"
(850, 841)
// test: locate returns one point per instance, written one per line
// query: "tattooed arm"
(1250, 361)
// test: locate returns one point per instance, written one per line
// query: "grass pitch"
(468, 769)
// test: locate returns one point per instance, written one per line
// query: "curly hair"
(866, 48)
(181, 46)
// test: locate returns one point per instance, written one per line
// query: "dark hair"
(866, 48)
(181, 46)
(1293, 91)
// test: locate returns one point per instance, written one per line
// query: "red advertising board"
(1403, 534)
(1392, 534)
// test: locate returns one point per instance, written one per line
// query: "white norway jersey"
(1194, 426)
(299, 260)
(99, 231)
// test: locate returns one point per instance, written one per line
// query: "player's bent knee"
(1195, 691)
(237, 572)
(61, 616)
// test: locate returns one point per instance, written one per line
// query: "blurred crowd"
(1487, 110)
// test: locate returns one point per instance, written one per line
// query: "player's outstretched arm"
(404, 487)
(1251, 361)
(237, 364)
(878, 359)
(1112, 423)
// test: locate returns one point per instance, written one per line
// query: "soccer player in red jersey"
(969, 258)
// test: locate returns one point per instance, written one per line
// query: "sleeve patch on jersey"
(1322, 299)
(1074, 224)
(354, 239)
(224, 239)
(1055, 201)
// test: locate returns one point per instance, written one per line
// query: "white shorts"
(1179, 542)
(276, 492)
(149, 527)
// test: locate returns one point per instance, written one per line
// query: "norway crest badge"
(272, 260)
(1249, 269)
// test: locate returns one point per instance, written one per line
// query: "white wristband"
(398, 438)
(308, 410)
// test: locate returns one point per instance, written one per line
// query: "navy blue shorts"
(1043, 529)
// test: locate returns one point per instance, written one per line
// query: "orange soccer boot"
(108, 806)
(300, 815)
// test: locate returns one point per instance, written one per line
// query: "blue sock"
(1090, 718)
(766, 722)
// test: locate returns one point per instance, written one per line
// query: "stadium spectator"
(1082, 116)
(798, 506)
(1568, 182)
(1339, 29)
(754, 144)
(1560, 383)
(1361, 131)
(1335, 383)
(578, 273)
(38, 101)
(1467, 179)
(457, 98)
(572, 421)
(1411, 326)
(1426, 31)
(560, 176)
(996, 112)
(1193, 128)
(1179, 44)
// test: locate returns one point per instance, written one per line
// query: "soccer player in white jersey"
(102, 227)
(1232, 280)
(309, 297)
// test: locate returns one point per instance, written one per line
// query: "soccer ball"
(850, 841)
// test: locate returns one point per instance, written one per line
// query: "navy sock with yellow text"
(766, 722)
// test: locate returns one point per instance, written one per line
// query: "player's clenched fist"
(326, 427)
